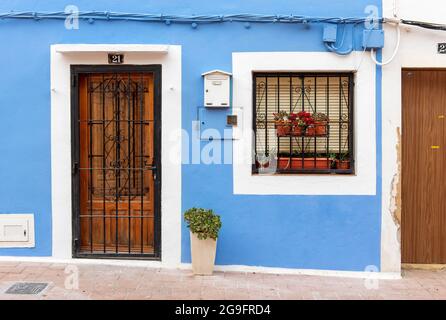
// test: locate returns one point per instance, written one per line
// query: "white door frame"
(62, 57)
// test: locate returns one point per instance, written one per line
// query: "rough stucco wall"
(395, 203)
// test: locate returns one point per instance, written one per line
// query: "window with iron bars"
(303, 123)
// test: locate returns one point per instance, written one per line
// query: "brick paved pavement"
(115, 282)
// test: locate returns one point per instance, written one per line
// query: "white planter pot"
(203, 255)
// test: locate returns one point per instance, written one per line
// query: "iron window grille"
(113, 211)
(300, 141)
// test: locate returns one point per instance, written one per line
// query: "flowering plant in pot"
(299, 127)
(320, 123)
(204, 227)
(283, 123)
(306, 121)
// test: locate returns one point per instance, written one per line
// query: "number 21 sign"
(115, 58)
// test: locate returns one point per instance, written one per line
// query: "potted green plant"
(320, 123)
(283, 123)
(204, 226)
(333, 160)
(343, 161)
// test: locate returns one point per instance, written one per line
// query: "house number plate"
(442, 48)
(115, 58)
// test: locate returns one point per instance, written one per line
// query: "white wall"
(418, 49)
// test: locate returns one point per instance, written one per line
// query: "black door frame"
(76, 70)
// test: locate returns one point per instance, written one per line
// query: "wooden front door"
(424, 167)
(116, 163)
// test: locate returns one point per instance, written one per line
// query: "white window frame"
(244, 64)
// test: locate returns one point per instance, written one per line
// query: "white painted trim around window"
(364, 181)
(61, 139)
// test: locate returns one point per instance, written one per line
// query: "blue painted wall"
(317, 232)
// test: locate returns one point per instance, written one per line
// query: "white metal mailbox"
(217, 89)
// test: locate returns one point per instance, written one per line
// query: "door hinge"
(73, 80)
(76, 243)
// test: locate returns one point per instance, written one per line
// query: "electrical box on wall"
(373, 39)
(220, 123)
(17, 230)
(217, 89)
(330, 33)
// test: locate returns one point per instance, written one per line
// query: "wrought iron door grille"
(117, 165)
(303, 123)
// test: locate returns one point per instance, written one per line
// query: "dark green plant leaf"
(202, 222)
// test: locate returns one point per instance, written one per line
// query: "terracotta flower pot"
(306, 163)
(283, 129)
(298, 131)
(321, 128)
(311, 131)
(203, 255)
(343, 164)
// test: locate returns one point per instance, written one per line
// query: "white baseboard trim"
(226, 268)
(109, 262)
(307, 272)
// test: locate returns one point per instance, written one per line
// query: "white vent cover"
(16, 230)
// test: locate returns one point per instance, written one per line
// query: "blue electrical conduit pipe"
(148, 17)
(168, 19)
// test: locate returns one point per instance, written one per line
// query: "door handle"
(154, 171)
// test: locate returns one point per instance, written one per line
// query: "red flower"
(309, 121)
(304, 115)
(292, 117)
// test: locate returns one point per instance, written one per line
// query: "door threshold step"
(421, 266)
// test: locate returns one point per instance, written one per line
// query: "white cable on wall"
(398, 35)
(395, 8)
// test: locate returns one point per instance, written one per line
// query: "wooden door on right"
(423, 226)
